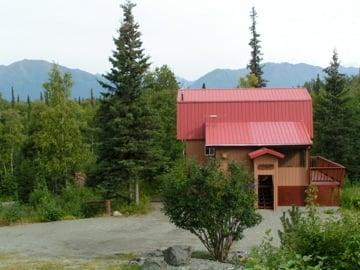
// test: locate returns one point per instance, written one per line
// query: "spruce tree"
(255, 66)
(203, 86)
(12, 97)
(128, 129)
(333, 115)
(92, 100)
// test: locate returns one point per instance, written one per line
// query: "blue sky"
(192, 37)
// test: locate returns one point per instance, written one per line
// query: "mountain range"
(27, 77)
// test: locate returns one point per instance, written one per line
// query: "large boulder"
(178, 255)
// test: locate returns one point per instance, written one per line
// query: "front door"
(265, 192)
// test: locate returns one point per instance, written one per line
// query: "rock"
(154, 264)
(178, 255)
(137, 261)
(153, 253)
(117, 214)
(237, 256)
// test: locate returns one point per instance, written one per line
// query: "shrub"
(11, 213)
(74, 199)
(350, 197)
(334, 242)
(269, 257)
(129, 209)
(214, 205)
(46, 205)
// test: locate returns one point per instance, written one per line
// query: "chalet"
(268, 129)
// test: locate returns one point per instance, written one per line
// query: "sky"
(193, 37)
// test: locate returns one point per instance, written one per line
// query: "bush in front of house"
(312, 241)
(214, 205)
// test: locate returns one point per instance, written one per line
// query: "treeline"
(54, 142)
(336, 102)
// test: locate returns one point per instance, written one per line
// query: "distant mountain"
(183, 83)
(27, 77)
(277, 75)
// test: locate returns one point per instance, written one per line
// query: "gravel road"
(104, 236)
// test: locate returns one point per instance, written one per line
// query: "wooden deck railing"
(326, 171)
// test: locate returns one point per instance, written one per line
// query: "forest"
(58, 153)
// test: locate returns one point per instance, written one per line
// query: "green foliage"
(248, 81)
(11, 213)
(46, 205)
(334, 242)
(333, 116)
(130, 209)
(11, 139)
(213, 205)
(129, 130)
(255, 66)
(74, 198)
(350, 197)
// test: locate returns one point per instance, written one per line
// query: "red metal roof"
(238, 105)
(264, 151)
(243, 94)
(256, 133)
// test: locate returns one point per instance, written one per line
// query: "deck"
(326, 172)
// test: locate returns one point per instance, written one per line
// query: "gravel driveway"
(89, 238)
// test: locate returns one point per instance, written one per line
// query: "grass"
(201, 254)
(350, 197)
(13, 261)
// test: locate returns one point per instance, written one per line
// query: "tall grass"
(350, 197)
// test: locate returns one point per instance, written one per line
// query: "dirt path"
(90, 238)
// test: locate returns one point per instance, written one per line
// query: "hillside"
(277, 75)
(27, 77)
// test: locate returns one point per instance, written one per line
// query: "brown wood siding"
(293, 176)
(226, 154)
(291, 195)
(195, 150)
(328, 195)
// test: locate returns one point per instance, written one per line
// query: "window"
(209, 151)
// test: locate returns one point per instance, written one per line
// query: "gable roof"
(265, 151)
(194, 107)
(255, 133)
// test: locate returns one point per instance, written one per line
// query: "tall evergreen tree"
(333, 115)
(92, 99)
(128, 149)
(255, 66)
(12, 97)
(203, 86)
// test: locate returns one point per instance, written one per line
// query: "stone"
(237, 256)
(139, 261)
(117, 214)
(178, 255)
(154, 263)
(153, 253)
